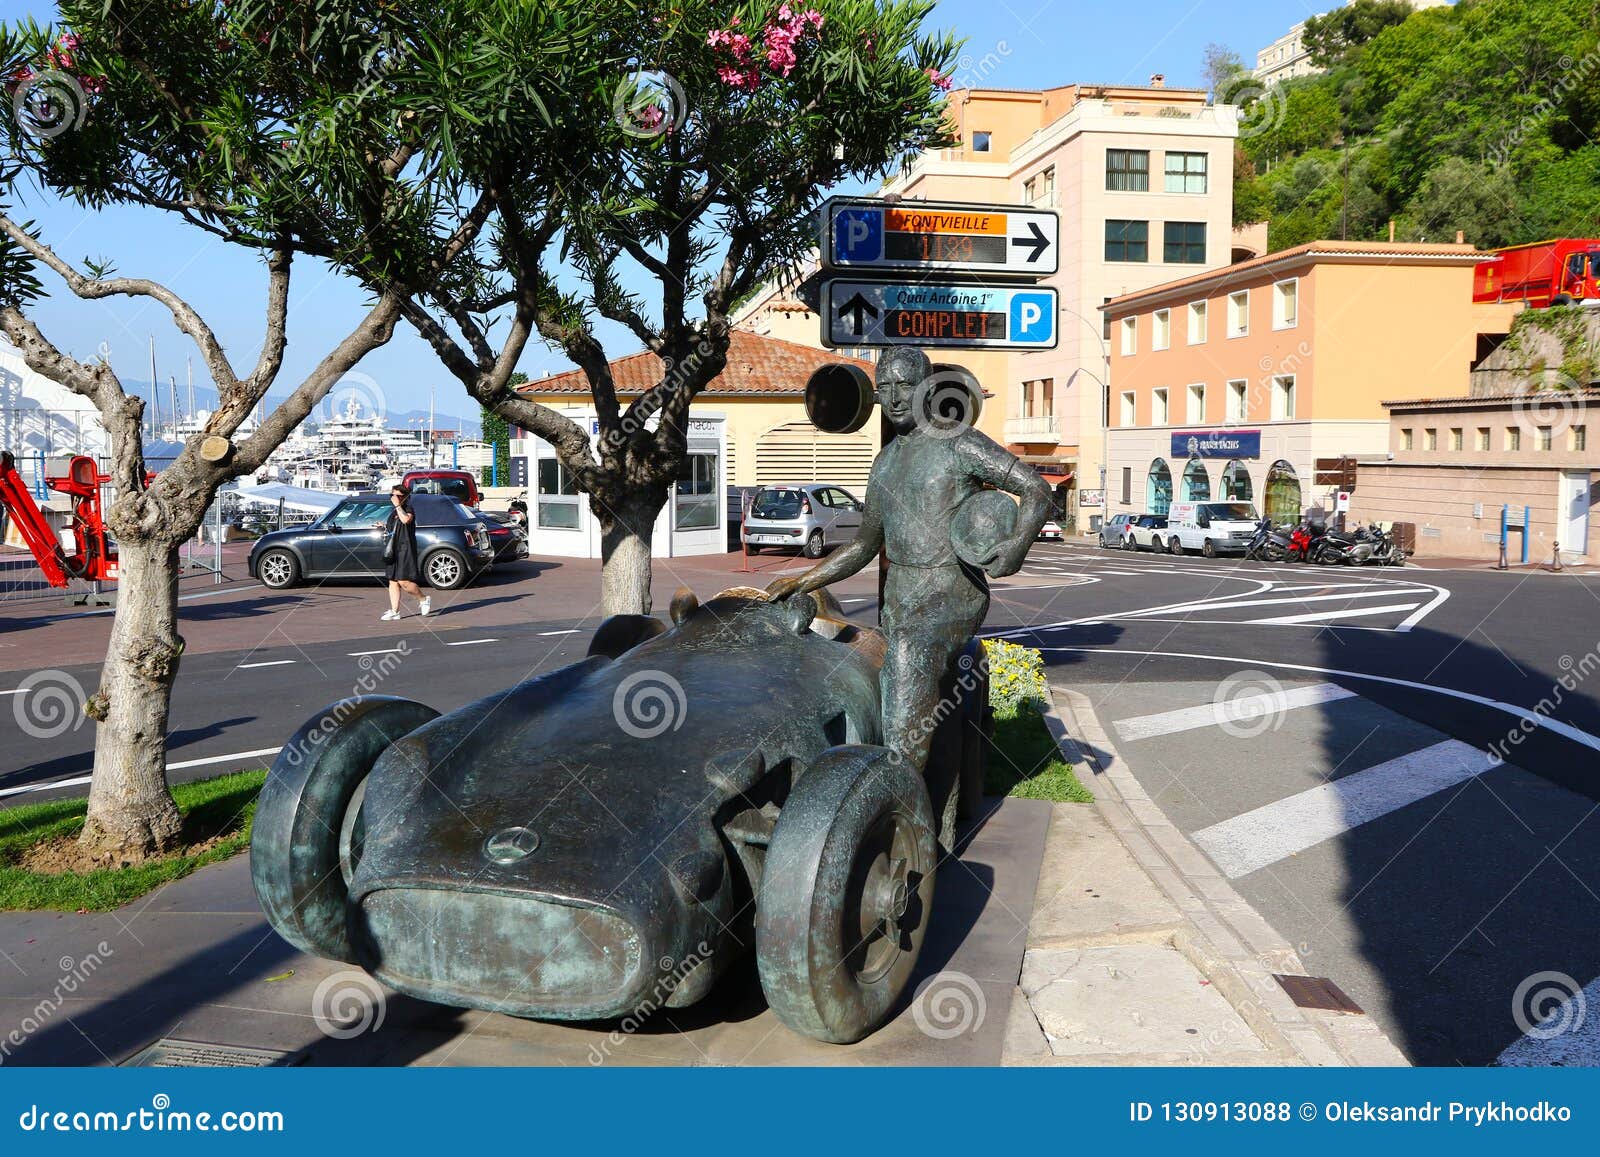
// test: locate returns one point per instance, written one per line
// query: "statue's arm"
(1002, 469)
(841, 563)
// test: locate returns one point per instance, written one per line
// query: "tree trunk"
(131, 812)
(627, 526)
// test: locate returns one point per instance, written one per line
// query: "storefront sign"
(1216, 444)
(1091, 499)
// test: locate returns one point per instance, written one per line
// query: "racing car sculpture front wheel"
(846, 893)
(306, 831)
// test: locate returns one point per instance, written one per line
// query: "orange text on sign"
(933, 221)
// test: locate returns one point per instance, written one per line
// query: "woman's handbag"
(388, 539)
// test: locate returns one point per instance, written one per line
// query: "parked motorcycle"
(1365, 546)
(1270, 543)
(1301, 541)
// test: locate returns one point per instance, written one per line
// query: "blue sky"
(1028, 44)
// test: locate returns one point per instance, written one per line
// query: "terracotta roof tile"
(757, 365)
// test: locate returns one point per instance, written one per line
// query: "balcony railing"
(1046, 429)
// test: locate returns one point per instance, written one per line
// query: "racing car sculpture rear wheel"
(306, 831)
(846, 893)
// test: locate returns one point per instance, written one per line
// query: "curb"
(1225, 937)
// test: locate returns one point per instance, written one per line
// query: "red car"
(457, 484)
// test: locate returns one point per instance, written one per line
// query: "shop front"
(692, 522)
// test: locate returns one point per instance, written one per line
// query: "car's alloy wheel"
(278, 569)
(814, 545)
(1208, 549)
(1174, 546)
(445, 570)
(846, 893)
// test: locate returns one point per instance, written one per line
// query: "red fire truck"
(1544, 273)
(94, 556)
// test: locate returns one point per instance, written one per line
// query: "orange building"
(1231, 384)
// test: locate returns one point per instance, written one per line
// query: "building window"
(696, 502)
(1184, 243)
(1127, 485)
(980, 141)
(1513, 438)
(1283, 493)
(1286, 304)
(1130, 336)
(1455, 439)
(1041, 187)
(1430, 439)
(1158, 406)
(1127, 241)
(1405, 439)
(1186, 172)
(1127, 170)
(1545, 437)
(1239, 313)
(1580, 437)
(1158, 488)
(557, 498)
(1283, 397)
(1236, 482)
(1238, 395)
(1195, 410)
(1128, 409)
(1483, 437)
(1161, 329)
(1196, 484)
(1197, 323)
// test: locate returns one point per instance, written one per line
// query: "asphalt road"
(1357, 808)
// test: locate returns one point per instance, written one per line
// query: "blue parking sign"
(1033, 318)
(858, 234)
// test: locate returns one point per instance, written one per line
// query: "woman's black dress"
(403, 566)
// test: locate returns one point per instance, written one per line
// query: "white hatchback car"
(1147, 532)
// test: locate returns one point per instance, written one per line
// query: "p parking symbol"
(1033, 318)
(858, 235)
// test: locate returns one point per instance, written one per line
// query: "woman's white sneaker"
(388, 616)
(427, 605)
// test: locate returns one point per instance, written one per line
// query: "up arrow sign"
(1038, 242)
(856, 307)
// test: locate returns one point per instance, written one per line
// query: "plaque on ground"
(171, 1053)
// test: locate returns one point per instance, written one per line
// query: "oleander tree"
(702, 169)
(364, 136)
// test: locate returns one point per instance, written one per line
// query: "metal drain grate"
(1316, 992)
(171, 1053)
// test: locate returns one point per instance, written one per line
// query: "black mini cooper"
(347, 542)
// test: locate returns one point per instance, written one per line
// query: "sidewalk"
(1534, 566)
(1140, 953)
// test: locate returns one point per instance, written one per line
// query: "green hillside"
(1483, 117)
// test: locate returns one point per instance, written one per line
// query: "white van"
(1212, 528)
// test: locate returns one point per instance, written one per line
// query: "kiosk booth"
(692, 522)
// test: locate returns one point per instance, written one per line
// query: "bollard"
(1557, 560)
(1502, 565)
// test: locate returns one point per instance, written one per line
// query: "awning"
(293, 497)
(1053, 470)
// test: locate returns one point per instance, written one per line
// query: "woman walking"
(400, 564)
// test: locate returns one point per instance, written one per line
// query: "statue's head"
(900, 371)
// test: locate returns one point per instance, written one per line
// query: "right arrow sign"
(863, 234)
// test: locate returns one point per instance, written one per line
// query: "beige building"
(1230, 384)
(1457, 467)
(1286, 57)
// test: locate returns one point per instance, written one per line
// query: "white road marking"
(1124, 573)
(1229, 602)
(385, 651)
(1532, 718)
(1251, 841)
(80, 780)
(268, 663)
(547, 634)
(856, 600)
(1579, 1043)
(470, 642)
(1240, 710)
(1324, 616)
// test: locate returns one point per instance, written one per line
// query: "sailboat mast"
(155, 393)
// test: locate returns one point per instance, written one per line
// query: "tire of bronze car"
(446, 569)
(846, 893)
(1208, 549)
(278, 569)
(814, 545)
(306, 836)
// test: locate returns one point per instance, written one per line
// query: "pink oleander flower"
(939, 80)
